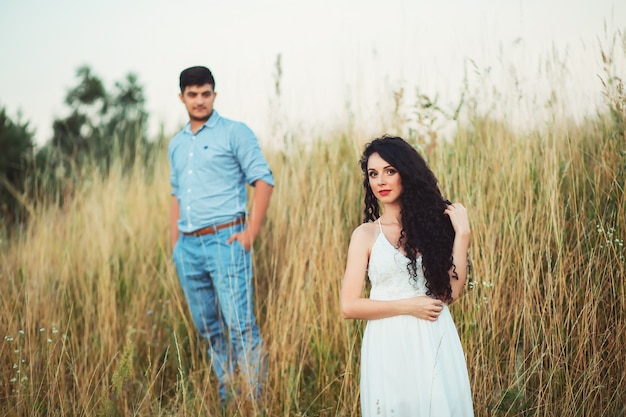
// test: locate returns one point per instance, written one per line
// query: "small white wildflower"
(55, 330)
(15, 366)
(42, 330)
(16, 351)
(21, 332)
(24, 379)
(49, 340)
(13, 379)
(8, 338)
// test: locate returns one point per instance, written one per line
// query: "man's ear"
(180, 96)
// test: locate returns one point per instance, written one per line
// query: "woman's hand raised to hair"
(459, 219)
(423, 307)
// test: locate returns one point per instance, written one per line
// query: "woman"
(415, 254)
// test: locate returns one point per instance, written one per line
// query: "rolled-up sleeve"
(250, 156)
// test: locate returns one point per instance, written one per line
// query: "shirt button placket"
(189, 222)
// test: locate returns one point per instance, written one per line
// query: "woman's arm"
(462, 235)
(355, 306)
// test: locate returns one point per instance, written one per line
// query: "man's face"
(198, 100)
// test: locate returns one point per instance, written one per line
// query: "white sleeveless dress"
(409, 367)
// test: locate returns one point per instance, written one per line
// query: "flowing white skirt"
(412, 367)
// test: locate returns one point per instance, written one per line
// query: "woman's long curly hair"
(426, 229)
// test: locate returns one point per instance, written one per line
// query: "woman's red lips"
(384, 192)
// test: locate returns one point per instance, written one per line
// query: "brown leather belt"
(210, 230)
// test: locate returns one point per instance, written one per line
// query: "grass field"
(94, 323)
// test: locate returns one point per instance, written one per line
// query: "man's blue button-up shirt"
(210, 170)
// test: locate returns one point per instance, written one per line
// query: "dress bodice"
(388, 273)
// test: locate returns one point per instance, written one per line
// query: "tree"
(16, 152)
(101, 123)
(127, 119)
(76, 134)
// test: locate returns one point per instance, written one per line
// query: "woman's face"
(384, 179)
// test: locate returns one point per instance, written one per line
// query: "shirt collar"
(209, 123)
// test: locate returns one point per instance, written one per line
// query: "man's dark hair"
(196, 76)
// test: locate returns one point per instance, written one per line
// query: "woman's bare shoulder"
(362, 240)
(365, 231)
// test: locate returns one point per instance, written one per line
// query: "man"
(211, 160)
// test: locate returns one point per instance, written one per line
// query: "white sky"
(335, 54)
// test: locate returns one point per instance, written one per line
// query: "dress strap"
(380, 226)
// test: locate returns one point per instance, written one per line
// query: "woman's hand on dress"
(425, 308)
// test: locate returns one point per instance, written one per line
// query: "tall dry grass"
(94, 323)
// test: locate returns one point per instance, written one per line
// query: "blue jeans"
(216, 278)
